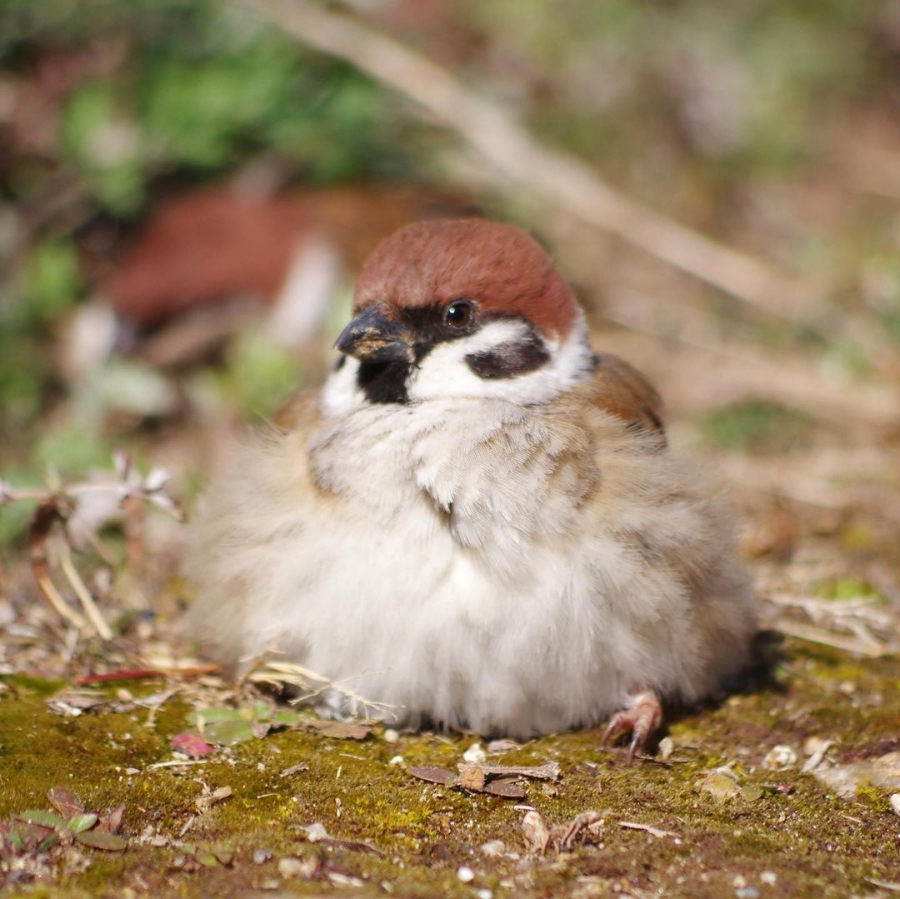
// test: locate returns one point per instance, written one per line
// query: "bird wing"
(622, 390)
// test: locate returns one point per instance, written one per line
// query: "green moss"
(425, 832)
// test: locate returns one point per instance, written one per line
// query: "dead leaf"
(537, 836)
(73, 703)
(471, 777)
(111, 821)
(434, 775)
(550, 771)
(505, 788)
(339, 730)
(721, 786)
(65, 802)
(208, 800)
(565, 836)
(751, 793)
(191, 744)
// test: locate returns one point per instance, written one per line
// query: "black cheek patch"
(508, 360)
(384, 382)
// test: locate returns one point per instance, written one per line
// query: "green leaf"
(229, 732)
(211, 716)
(98, 840)
(83, 822)
(287, 718)
(45, 819)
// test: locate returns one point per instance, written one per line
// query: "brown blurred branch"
(554, 176)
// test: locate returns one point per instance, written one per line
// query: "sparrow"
(477, 521)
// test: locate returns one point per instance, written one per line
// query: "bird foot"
(641, 719)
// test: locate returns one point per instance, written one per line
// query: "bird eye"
(459, 314)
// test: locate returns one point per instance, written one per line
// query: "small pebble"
(747, 893)
(290, 867)
(261, 856)
(316, 832)
(780, 756)
(465, 874)
(739, 881)
(475, 755)
(484, 894)
(666, 747)
(396, 760)
(770, 878)
(895, 802)
(391, 736)
(493, 849)
(812, 745)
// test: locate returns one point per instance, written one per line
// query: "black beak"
(372, 337)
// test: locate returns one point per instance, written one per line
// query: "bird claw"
(641, 719)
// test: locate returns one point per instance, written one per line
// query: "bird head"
(459, 308)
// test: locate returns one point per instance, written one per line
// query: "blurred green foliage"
(51, 282)
(175, 90)
(739, 85)
(756, 426)
(260, 374)
(49, 285)
(199, 90)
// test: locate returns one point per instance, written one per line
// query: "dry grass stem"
(833, 619)
(313, 685)
(57, 506)
(84, 595)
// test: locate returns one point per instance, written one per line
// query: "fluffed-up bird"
(477, 519)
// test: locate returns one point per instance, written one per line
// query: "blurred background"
(188, 189)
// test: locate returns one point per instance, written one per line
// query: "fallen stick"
(555, 176)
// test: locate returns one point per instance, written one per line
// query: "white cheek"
(444, 371)
(341, 393)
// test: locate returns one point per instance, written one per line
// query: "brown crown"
(500, 266)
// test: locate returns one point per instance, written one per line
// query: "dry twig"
(846, 624)
(514, 156)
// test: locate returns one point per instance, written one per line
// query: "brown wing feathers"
(624, 392)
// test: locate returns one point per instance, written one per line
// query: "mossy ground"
(794, 840)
